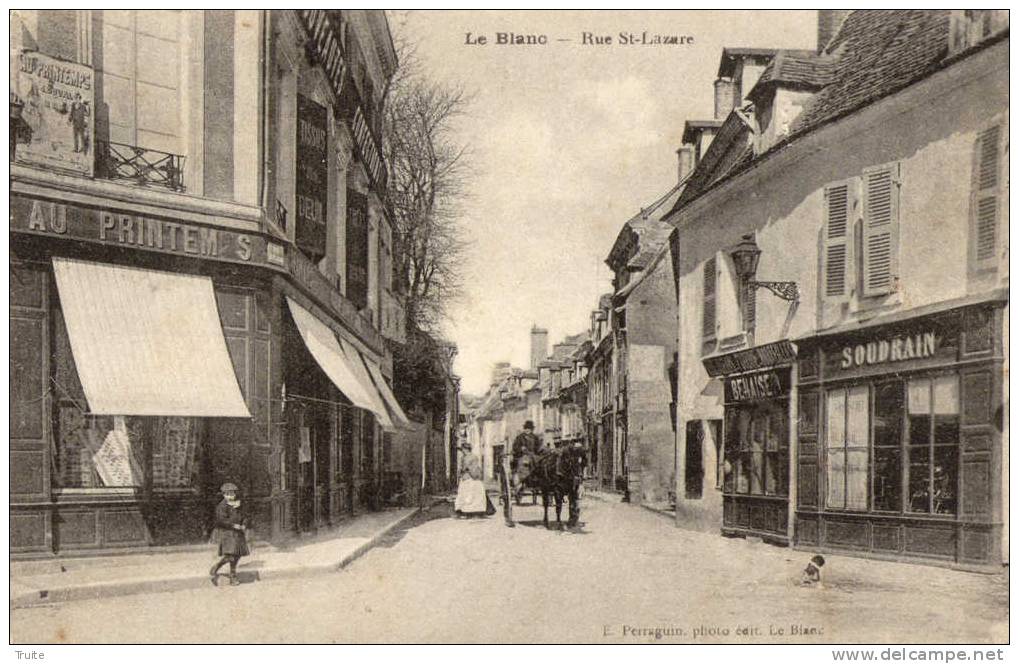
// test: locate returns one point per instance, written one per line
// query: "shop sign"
(896, 349)
(114, 227)
(757, 386)
(312, 182)
(58, 98)
(751, 359)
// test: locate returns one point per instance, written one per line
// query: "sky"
(569, 140)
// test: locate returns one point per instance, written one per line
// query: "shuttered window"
(710, 311)
(838, 225)
(880, 229)
(985, 205)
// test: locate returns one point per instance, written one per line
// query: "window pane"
(919, 479)
(174, 452)
(758, 431)
(857, 422)
(835, 431)
(836, 479)
(856, 479)
(946, 395)
(808, 412)
(782, 488)
(778, 438)
(946, 430)
(757, 473)
(742, 473)
(887, 479)
(946, 468)
(919, 429)
(888, 407)
(919, 397)
(101, 451)
(771, 473)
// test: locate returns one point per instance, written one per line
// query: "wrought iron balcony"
(117, 161)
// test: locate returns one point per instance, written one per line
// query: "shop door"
(321, 441)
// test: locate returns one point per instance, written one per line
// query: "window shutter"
(837, 232)
(984, 206)
(710, 278)
(880, 229)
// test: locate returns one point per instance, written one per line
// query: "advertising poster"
(59, 103)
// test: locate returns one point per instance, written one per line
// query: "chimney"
(539, 346)
(685, 153)
(828, 23)
(725, 97)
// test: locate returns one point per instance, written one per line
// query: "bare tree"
(429, 177)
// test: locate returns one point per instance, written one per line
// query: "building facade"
(843, 287)
(199, 273)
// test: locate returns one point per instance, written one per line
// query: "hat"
(529, 425)
(229, 486)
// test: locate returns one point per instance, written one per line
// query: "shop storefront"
(755, 466)
(147, 368)
(899, 450)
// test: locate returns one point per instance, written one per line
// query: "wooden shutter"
(709, 311)
(838, 225)
(984, 205)
(880, 229)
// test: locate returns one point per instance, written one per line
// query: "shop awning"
(147, 342)
(378, 406)
(399, 417)
(325, 348)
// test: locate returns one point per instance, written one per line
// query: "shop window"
(933, 441)
(757, 451)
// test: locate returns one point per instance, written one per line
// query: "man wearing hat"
(229, 533)
(526, 443)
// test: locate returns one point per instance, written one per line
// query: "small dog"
(812, 573)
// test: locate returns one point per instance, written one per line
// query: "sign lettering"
(897, 349)
(757, 386)
(759, 357)
(312, 178)
(120, 228)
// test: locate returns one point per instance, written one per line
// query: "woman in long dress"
(471, 499)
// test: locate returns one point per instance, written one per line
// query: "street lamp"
(745, 257)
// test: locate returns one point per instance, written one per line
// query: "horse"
(556, 474)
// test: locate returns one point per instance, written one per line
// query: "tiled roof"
(794, 69)
(874, 54)
(691, 126)
(877, 52)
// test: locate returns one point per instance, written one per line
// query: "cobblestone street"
(626, 573)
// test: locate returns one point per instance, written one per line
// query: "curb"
(28, 597)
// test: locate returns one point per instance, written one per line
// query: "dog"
(812, 572)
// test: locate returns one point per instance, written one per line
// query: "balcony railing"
(117, 161)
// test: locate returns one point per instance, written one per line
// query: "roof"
(874, 54)
(793, 69)
(692, 126)
(647, 230)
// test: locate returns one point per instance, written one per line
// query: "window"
(876, 271)
(846, 448)
(985, 203)
(709, 308)
(141, 87)
(888, 411)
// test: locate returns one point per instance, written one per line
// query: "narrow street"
(626, 573)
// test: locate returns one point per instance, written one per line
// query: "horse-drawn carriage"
(555, 475)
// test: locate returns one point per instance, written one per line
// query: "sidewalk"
(42, 582)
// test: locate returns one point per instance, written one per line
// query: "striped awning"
(325, 348)
(147, 342)
(361, 371)
(399, 417)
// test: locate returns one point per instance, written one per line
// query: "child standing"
(229, 532)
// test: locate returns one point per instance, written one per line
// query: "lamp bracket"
(787, 290)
